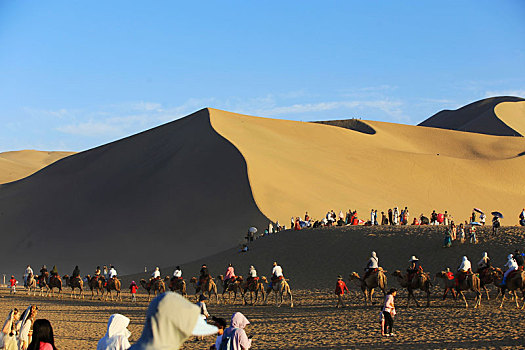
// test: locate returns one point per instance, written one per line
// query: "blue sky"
(75, 75)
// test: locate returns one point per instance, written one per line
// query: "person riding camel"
(519, 257)
(97, 273)
(511, 265)
(413, 269)
(229, 277)
(464, 269)
(372, 266)
(43, 270)
(54, 271)
(252, 275)
(28, 272)
(483, 264)
(177, 274)
(76, 273)
(204, 275)
(112, 272)
(155, 274)
(277, 273)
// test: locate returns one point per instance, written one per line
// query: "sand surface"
(295, 167)
(313, 323)
(19, 164)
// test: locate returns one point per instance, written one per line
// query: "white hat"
(413, 258)
(202, 328)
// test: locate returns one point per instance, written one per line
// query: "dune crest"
(295, 167)
(512, 114)
(16, 165)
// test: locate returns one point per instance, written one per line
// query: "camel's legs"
(486, 291)
(464, 299)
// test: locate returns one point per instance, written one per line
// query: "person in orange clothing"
(340, 288)
(13, 282)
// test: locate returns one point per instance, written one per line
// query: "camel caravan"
(258, 289)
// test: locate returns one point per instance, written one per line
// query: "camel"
(419, 281)
(113, 284)
(373, 281)
(209, 287)
(234, 287)
(254, 287)
(54, 282)
(450, 285)
(96, 284)
(75, 283)
(156, 286)
(31, 284)
(515, 281)
(177, 285)
(471, 282)
(279, 287)
(491, 275)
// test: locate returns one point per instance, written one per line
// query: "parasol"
(497, 214)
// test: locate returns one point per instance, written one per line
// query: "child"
(202, 305)
(13, 282)
(340, 288)
(388, 313)
(133, 289)
(221, 324)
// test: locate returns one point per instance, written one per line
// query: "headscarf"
(170, 320)
(239, 320)
(116, 337)
(374, 255)
(8, 322)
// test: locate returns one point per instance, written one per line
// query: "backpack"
(227, 342)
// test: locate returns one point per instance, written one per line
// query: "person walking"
(235, 335)
(388, 313)
(340, 288)
(13, 282)
(133, 288)
(495, 225)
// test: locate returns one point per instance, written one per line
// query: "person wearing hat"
(413, 269)
(511, 265)
(177, 273)
(483, 264)
(235, 335)
(388, 313)
(340, 288)
(252, 275)
(170, 321)
(277, 273)
(204, 275)
(371, 266)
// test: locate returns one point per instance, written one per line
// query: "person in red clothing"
(340, 288)
(13, 282)
(133, 289)
(297, 225)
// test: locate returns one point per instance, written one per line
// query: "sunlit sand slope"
(478, 117)
(19, 164)
(295, 167)
(512, 114)
(168, 195)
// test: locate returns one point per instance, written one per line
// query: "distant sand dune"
(19, 164)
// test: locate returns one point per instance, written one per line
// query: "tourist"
(112, 272)
(371, 266)
(473, 217)
(9, 331)
(229, 276)
(405, 216)
(390, 217)
(133, 288)
(42, 336)
(170, 320)
(235, 335)
(483, 264)
(511, 265)
(447, 243)
(202, 306)
(434, 218)
(388, 313)
(472, 237)
(461, 233)
(105, 272)
(495, 225)
(396, 216)
(453, 230)
(340, 288)
(25, 324)
(522, 217)
(384, 219)
(117, 335)
(12, 283)
(482, 218)
(415, 222)
(277, 274)
(27, 272)
(519, 257)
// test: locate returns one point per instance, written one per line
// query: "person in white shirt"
(112, 272)
(253, 272)
(465, 265)
(511, 265)
(396, 216)
(277, 273)
(178, 272)
(371, 265)
(156, 273)
(28, 271)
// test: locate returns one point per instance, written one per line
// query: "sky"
(78, 74)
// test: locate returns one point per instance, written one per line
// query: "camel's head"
(193, 280)
(263, 278)
(396, 273)
(239, 278)
(88, 277)
(354, 275)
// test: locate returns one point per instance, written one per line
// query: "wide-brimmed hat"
(413, 258)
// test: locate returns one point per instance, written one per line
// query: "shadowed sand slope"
(19, 164)
(481, 117)
(295, 167)
(173, 193)
(313, 258)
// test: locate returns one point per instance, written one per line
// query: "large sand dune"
(19, 164)
(481, 117)
(171, 194)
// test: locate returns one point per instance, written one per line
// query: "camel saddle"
(252, 280)
(275, 279)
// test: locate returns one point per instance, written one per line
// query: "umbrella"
(478, 210)
(498, 214)
(474, 223)
(252, 230)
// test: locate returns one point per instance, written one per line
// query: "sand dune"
(295, 167)
(19, 164)
(171, 194)
(478, 117)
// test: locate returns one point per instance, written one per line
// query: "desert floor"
(314, 322)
